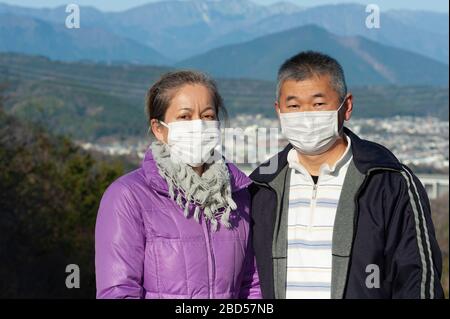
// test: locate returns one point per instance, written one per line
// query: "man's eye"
(294, 106)
(319, 104)
(209, 117)
(183, 117)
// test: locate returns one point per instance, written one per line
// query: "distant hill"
(422, 32)
(181, 29)
(33, 36)
(177, 29)
(78, 99)
(98, 102)
(364, 61)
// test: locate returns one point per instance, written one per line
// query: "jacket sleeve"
(415, 262)
(119, 245)
(250, 288)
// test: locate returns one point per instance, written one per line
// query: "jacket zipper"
(313, 208)
(210, 254)
(213, 268)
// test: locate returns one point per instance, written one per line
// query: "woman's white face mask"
(311, 133)
(193, 142)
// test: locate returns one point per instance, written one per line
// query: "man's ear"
(348, 104)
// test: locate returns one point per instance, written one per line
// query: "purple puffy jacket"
(146, 248)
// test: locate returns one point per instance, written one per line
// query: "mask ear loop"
(163, 123)
(342, 104)
(341, 130)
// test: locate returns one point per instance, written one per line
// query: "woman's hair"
(161, 93)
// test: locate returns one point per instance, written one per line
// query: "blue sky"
(117, 5)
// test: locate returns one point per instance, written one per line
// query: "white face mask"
(311, 133)
(193, 142)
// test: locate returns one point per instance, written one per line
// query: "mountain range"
(34, 36)
(364, 61)
(421, 32)
(177, 30)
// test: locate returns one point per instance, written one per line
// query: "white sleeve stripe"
(410, 182)
(426, 237)
(419, 237)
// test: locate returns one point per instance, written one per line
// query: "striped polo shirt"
(311, 213)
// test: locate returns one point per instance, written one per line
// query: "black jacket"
(389, 225)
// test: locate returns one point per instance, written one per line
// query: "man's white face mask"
(311, 133)
(193, 142)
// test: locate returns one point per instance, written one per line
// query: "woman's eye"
(209, 117)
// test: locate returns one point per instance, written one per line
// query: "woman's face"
(190, 102)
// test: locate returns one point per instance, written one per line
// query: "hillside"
(50, 195)
(93, 102)
(422, 32)
(440, 214)
(24, 34)
(365, 62)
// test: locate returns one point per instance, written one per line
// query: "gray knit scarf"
(210, 192)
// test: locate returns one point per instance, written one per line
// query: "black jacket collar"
(366, 155)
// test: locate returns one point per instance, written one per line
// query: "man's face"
(313, 94)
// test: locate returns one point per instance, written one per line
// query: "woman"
(178, 227)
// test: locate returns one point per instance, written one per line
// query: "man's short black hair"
(307, 64)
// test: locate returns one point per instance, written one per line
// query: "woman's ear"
(158, 130)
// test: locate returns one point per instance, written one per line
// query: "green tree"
(49, 195)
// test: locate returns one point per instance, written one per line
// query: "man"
(340, 217)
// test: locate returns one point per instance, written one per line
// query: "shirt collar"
(325, 169)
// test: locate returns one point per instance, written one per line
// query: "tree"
(49, 195)
(3, 96)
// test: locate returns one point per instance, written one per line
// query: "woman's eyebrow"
(209, 107)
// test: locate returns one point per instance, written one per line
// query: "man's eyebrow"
(291, 97)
